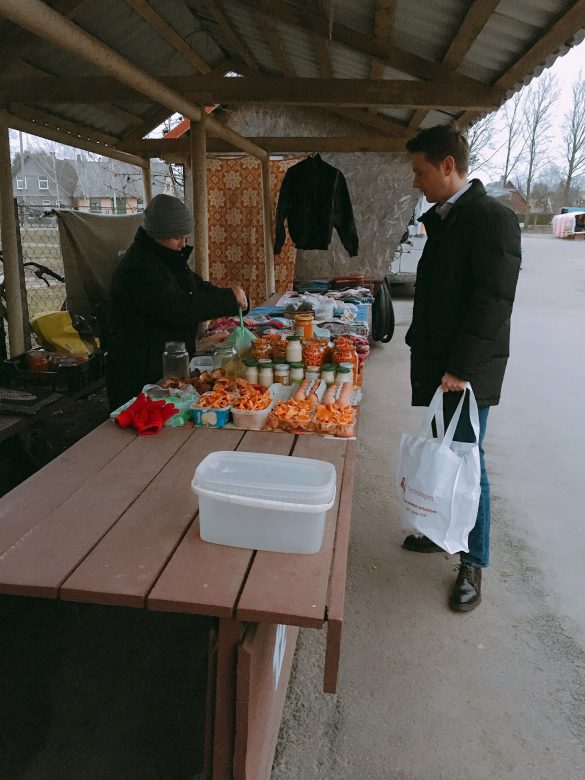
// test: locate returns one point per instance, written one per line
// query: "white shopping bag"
(438, 479)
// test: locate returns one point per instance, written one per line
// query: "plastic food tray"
(211, 418)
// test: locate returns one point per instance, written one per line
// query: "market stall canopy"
(391, 66)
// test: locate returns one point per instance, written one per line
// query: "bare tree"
(573, 132)
(480, 138)
(512, 120)
(541, 96)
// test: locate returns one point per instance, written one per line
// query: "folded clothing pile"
(146, 416)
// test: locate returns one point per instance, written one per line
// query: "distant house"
(509, 194)
(100, 186)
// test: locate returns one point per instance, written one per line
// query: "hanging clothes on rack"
(313, 200)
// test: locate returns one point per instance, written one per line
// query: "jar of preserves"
(175, 361)
(265, 374)
(278, 347)
(304, 324)
(251, 371)
(261, 348)
(226, 358)
(328, 373)
(294, 349)
(343, 374)
(282, 374)
(297, 372)
(312, 373)
(315, 351)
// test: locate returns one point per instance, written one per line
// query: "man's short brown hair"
(439, 142)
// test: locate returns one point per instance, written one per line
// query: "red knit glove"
(146, 416)
(126, 418)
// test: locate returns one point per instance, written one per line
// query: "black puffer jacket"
(155, 298)
(465, 287)
(314, 199)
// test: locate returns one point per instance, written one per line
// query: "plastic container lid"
(281, 366)
(293, 338)
(250, 362)
(329, 367)
(283, 478)
(343, 370)
(297, 365)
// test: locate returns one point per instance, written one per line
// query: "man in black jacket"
(155, 297)
(460, 331)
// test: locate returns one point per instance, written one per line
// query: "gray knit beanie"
(167, 217)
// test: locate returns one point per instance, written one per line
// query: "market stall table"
(113, 521)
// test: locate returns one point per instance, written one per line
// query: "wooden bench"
(113, 521)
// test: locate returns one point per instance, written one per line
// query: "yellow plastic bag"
(55, 331)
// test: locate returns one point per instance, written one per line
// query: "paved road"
(426, 694)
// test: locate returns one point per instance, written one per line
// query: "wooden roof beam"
(158, 23)
(17, 46)
(274, 41)
(180, 92)
(38, 18)
(61, 137)
(216, 10)
(560, 34)
(391, 55)
(54, 122)
(321, 42)
(178, 147)
(383, 24)
(475, 20)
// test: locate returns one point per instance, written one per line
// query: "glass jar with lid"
(282, 374)
(226, 358)
(328, 373)
(343, 374)
(251, 370)
(175, 361)
(294, 349)
(312, 373)
(265, 374)
(304, 324)
(297, 372)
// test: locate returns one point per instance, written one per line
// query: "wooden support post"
(22, 278)
(199, 196)
(14, 310)
(268, 231)
(147, 183)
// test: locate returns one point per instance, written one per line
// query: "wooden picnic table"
(113, 521)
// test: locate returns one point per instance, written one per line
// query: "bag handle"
(435, 410)
(473, 418)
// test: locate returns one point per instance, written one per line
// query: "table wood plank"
(336, 597)
(212, 586)
(292, 589)
(124, 566)
(34, 500)
(10, 425)
(38, 562)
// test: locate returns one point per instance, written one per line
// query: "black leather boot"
(420, 543)
(466, 593)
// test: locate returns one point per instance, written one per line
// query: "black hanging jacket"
(465, 287)
(155, 297)
(314, 199)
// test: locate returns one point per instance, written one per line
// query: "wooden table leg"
(230, 634)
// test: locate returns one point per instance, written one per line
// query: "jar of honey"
(304, 324)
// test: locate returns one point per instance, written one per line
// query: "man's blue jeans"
(479, 538)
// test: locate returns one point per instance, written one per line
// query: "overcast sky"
(566, 69)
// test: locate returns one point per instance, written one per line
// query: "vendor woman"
(155, 297)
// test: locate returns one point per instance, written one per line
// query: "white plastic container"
(252, 419)
(264, 502)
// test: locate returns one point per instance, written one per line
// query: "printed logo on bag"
(406, 488)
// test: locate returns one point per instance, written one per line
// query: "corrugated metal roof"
(425, 28)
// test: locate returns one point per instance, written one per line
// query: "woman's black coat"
(155, 297)
(465, 287)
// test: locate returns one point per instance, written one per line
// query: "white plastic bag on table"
(437, 480)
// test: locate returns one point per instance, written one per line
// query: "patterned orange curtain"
(236, 237)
